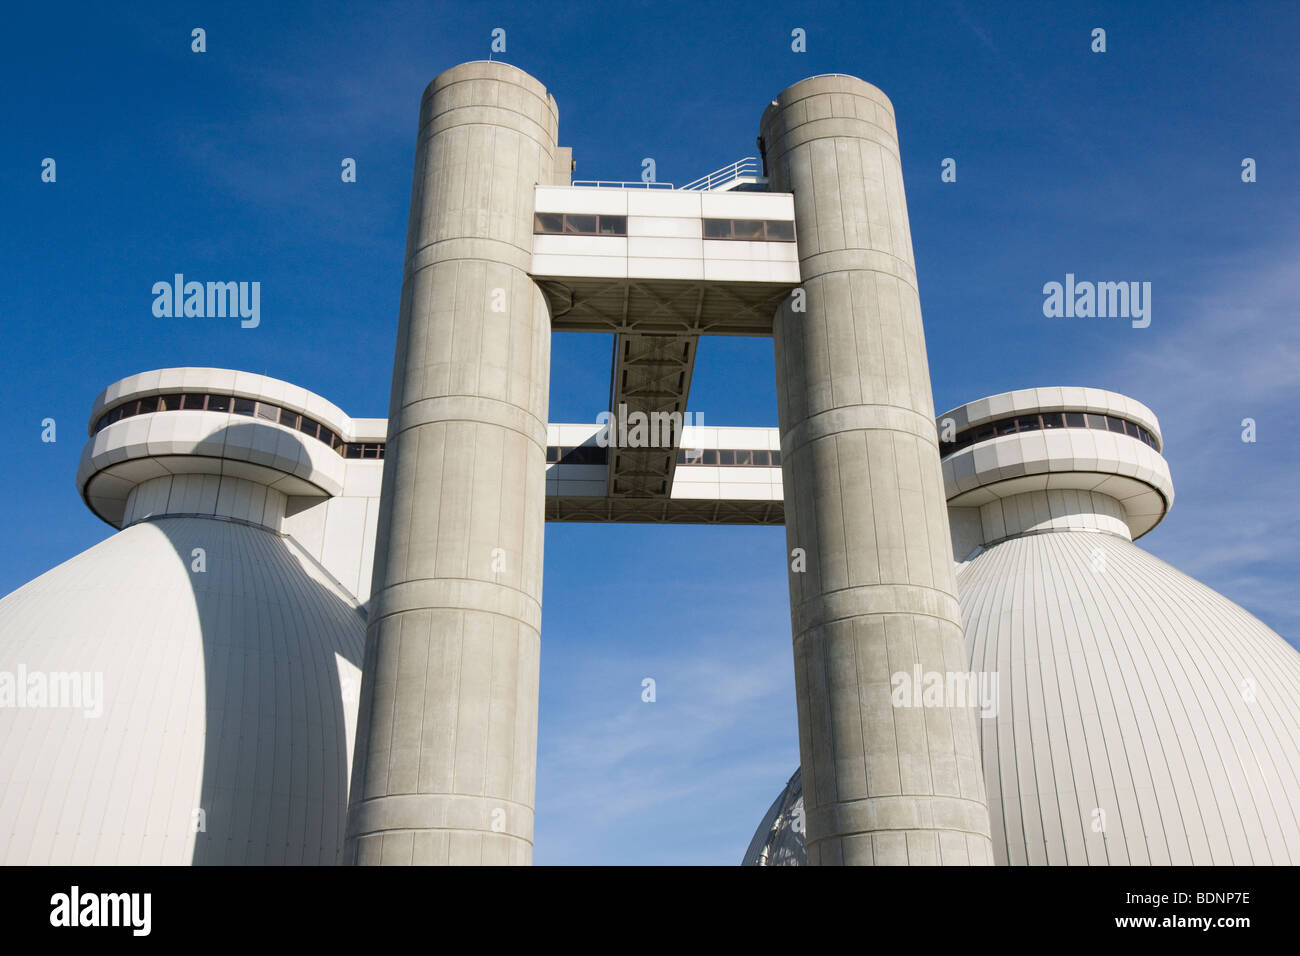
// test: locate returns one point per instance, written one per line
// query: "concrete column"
(864, 500)
(447, 733)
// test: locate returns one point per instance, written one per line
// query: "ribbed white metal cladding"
(1143, 718)
(229, 690)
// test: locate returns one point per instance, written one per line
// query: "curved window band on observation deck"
(1043, 421)
(266, 411)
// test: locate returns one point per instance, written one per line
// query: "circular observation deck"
(244, 442)
(1061, 439)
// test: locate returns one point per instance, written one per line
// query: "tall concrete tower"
(864, 499)
(502, 250)
(447, 737)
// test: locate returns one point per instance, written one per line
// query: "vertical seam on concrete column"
(487, 736)
(902, 523)
(460, 667)
(941, 548)
(844, 533)
(480, 358)
(419, 763)
(826, 282)
(830, 726)
(855, 627)
(857, 355)
(417, 434)
(903, 318)
(893, 724)
(925, 730)
(474, 499)
(875, 528)
(880, 334)
(388, 750)
(871, 240)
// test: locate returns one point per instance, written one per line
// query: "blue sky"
(1120, 166)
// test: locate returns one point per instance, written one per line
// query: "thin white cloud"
(1229, 350)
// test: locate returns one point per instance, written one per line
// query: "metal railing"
(740, 169)
(747, 168)
(620, 185)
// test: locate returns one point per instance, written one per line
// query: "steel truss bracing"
(663, 306)
(652, 378)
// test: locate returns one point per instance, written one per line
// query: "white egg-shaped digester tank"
(186, 690)
(1141, 717)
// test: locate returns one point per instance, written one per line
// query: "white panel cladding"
(227, 697)
(570, 435)
(602, 267)
(609, 246)
(722, 483)
(581, 199)
(1120, 689)
(1052, 510)
(747, 205)
(664, 237)
(340, 532)
(1121, 732)
(744, 250)
(713, 436)
(666, 203)
(345, 524)
(681, 269)
(219, 496)
(734, 270)
(659, 247)
(654, 227)
(967, 531)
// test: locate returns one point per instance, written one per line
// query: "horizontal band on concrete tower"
(902, 812)
(854, 418)
(866, 600)
(479, 409)
(820, 264)
(457, 594)
(491, 252)
(441, 811)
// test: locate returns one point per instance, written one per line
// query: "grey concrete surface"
(446, 753)
(864, 500)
